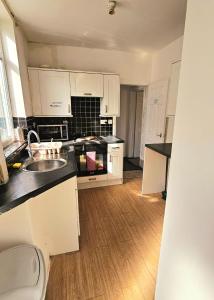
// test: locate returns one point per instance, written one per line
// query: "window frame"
(10, 139)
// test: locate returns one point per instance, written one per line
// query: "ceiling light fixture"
(111, 7)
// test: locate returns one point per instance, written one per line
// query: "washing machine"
(22, 274)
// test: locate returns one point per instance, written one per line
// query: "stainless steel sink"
(44, 165)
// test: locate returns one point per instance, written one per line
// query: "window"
(6, 123)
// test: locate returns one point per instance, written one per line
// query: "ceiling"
(138, 25)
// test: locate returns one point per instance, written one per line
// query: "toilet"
(22, 274)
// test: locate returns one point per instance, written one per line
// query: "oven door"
(91, 159)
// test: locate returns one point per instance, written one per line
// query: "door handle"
(160, 135)
(69, 108)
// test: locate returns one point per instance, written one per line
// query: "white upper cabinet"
(55, 93)
(86, 84)
(50, 92)
(110, 104)
(35, 92)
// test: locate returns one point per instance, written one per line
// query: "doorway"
(129, 125)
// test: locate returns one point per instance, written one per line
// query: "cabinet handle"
(110, 158)
(115, 147)
(88, 94)
(106, 108)
(69, 108)
(55, 105)
(92, 179)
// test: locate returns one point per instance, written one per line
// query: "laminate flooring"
(119, 247)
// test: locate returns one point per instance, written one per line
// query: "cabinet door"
(110, 104)
(115, 161)
(115, 167)
(86, 85)
(55, 93)
(35, 92)
(55, 218)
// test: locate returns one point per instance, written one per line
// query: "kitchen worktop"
(111, 139)
(101, 139)
(24, 185)
(162, 148)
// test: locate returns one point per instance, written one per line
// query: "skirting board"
(89, 185)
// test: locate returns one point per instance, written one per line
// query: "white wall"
(163, 59)
(186, 269)
(134, 69)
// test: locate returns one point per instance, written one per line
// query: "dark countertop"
(163, 148)
(111, 139)
(24, 185)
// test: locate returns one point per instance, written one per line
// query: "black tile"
(85, 121)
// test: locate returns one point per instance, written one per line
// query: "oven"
(57, 132)
(91, 158)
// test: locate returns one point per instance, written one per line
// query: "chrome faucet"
(29, 143)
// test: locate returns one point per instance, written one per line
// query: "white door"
(155, 113)
(86, 84)
(55, 93)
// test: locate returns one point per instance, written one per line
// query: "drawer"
(85, 179)
(115, 148)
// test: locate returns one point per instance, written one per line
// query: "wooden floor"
(119, 247)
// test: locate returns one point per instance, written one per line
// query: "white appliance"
(22, 274)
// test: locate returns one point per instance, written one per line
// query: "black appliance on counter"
(57, 132)
(91, 157)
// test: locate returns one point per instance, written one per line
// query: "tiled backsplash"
(86, 119)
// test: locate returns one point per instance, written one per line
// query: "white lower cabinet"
(49, 221)
(55, 218)
(115, 161)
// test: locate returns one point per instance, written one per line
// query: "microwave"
(57, 132)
